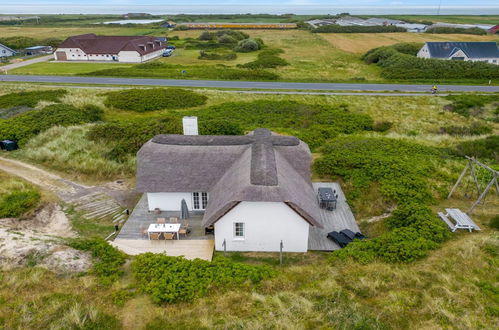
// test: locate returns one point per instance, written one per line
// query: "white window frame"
(239, 233)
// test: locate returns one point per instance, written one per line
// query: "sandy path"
(13, 66)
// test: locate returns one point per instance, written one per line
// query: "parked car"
(171, 47)
(167, 53)
(351, 235)
(339, 239)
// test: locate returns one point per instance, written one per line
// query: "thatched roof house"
(261, 179)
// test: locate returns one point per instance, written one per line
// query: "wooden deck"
(190, 249)
(339, 219)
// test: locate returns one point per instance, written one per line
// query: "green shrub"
(126, 137)
(382, 126)
(247, 45)
(312, 123)
(17, 203)
(397, 62)
(487, 148)
(455, 30)
(142, 100)
(494, 222)
(24, 126)
(30, 99)
(220, 127)
(108, 260)
(467, 104)
(357, 29)
(265, 61)
(203, 55)
(410, 48)
(174, 71)
(474, 129)
(175, 279)
(400, 168)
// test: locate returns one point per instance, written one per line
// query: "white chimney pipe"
(190, 125)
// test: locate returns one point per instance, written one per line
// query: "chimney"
(190, 125)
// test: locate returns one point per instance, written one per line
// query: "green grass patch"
(143, 100)
(17, 203)
(30, 99)
(486, 148)
(25, 126)
(175, 279)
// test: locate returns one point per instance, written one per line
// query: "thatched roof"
(260, 166)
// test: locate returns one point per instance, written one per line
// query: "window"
(199, 200)
(3, 51)
(238, 230)
(195, 200)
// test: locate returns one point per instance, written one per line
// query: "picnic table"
(163, 228)
(461, 219)
(327, 198)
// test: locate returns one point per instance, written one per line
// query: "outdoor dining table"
(163, 228)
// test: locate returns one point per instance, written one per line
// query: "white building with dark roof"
(6, 51)
(461, 51)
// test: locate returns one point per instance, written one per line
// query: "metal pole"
(225, 248)
(280, 253)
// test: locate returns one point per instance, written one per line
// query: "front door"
(61, 56)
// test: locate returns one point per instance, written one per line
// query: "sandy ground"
(40, 241)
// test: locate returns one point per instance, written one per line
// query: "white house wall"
(76, 54)
(266, 224)
(423, 52)
(5, 52)
(168, 201)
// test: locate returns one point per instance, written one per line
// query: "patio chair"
(182, 231)
(143, 230)
(173, 219)
(168, 236)
(154, 236)
(160, 220)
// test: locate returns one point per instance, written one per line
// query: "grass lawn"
(64, 32)
(53, 68)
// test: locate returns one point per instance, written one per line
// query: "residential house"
(255, 190)
(462, 51)
(169, 24)
(6, 51)
(90, 47)
(494, 29)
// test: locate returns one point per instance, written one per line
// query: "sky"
(249, 6)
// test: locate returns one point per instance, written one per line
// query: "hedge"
(108, 260)
(30, 99)
(398, 65)
(24, 126)
(357, 29)
(143, 100)
(454, 30)
(126, 137)
(16, 203)
(312, 123)
(175, 279)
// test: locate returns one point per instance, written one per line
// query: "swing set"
(472, 166)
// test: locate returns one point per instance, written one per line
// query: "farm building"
(38, 50)
(6, 51)
(90, 47)
(494, 29)
(135, 15)
(239, 25)
(169, 24)
(461, 51)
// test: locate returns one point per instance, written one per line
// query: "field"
(460, 19)
(312, 57)
(454, 287)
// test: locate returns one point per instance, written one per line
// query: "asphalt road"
(244, 84)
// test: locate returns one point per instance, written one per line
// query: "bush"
(30, 99)
(454, 30)
(487, 148)
(142, 100)
(465, 104)
(109, 260)
(247, 45)
(399, 65)
(382, 126)
(410, 48)
(474, 129)
(17, 203)
(400, 168)
(220, 127)
(357, 29)
(313, 123)
(265, 61)
(494, 222)
(24, 126)
(175, 279)
(203, 55)
(126, 137)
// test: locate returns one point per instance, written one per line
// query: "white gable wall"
(266, 224)
(169, 201)
(5, 51)
(424, 52)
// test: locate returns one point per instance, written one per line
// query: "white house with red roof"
(127, 49)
